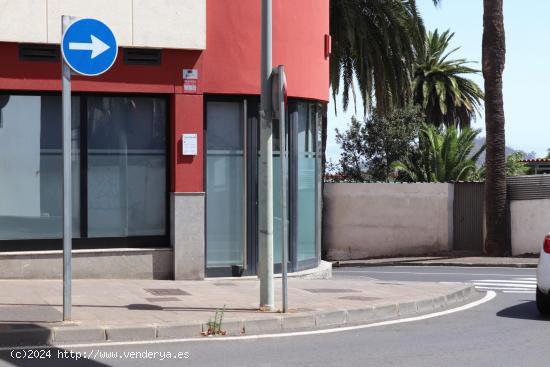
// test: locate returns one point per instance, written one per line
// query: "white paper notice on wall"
(189, 144)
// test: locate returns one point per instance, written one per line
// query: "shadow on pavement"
(29, 345)
(523, 311)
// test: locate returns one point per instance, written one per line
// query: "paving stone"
(291, 322)
(385, 311)
(262, 325)
(425, 305)
(79, 334)
(361, 314)
(178, 331)
(407, 308)
(129, 333)
(439, 302)
(331, 318)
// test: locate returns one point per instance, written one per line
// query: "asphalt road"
(506, 331)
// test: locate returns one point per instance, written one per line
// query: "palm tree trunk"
(494, 50)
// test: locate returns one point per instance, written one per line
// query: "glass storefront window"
(126, 166)
(124, 188)
(31, 167)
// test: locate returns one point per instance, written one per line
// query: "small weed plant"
(215, 324)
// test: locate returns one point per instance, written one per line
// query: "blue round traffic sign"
(89, 47)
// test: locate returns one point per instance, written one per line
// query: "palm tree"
(446, 97)
(443, 155)
(377, 42)
(493, 60)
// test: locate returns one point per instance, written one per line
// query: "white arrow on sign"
(97, 46)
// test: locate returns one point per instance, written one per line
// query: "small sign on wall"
(190, 81)
(189, 144)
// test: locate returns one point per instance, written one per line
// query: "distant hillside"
(480, 141)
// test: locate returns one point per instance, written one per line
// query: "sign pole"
(265, 168)
(89, 59)
(282, 139)
(67, 205)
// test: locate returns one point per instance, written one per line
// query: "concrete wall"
(530, 222)
(89, 264)
(178, 24)
(367, 220)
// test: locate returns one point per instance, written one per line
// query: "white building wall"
(117, 14)
(177, 24)
(23, 21)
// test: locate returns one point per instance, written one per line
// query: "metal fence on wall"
(468, 214)
(532, 187)
(468, 207)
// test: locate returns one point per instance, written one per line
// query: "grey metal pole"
(265, 169)
(67, 205)
(282, 139)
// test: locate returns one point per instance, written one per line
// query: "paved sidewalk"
(481, 261)
(123, 310)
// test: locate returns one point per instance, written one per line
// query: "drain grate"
(331, 290)
(162, 299)
(167, 292)
(359, 298)
(225, 284)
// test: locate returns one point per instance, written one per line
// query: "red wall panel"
(231, 61)
(299, 28)
(121, 78)
(187, 118)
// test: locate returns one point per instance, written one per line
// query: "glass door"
(232, 208)
(226, 227)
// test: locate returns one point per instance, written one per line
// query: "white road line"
(465, 268)
(506, 281)
(501, 288)
(420, 273)
(515, 285)
(507, 285)
(488, 297)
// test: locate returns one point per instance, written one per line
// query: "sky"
(526, 75)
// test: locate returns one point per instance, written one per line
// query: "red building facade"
(228, 80)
